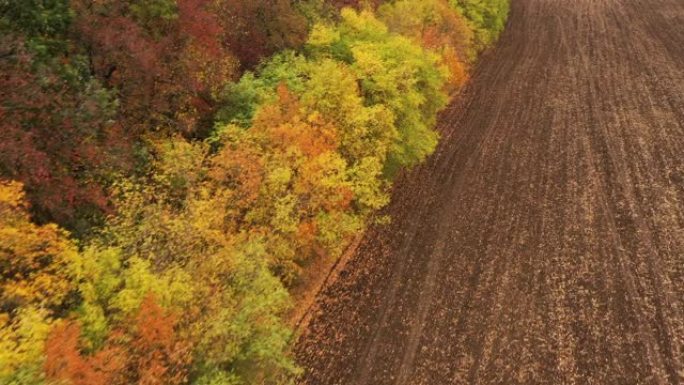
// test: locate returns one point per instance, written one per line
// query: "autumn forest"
(169, 169)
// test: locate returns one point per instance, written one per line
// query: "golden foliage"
(33, 258)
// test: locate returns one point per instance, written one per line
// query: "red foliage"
(64, 361)
(258, 28)
(201, 25)
(146, 351)
(166, 71)
(156, 355)
(55, 139)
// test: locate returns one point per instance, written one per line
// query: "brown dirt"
(543, 243)
(317, 276)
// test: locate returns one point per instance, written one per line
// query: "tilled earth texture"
(543, 243)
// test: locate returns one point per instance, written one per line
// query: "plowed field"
(543, 243)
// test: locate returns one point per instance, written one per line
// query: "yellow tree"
(33, 259)
(437, 26)
(34, 282)
(285, 180)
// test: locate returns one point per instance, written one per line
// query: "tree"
(65, 362)
(487, 18)
(233, 315)
(145, 351)
(43, 24)
(167, 60)
(240, 333)
(436, 26)
(33, 259)
(22, 339)
(393, 72)
(259, 28)
(302, 145)
(155, 354)
(56, 134)
(113, 286)
(307, 173)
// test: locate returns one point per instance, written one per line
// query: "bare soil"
(543, 243)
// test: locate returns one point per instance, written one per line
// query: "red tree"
(156, 355)
(166, 69)
(55, 136)
(65, 362)
(145, 351)
(258, 28)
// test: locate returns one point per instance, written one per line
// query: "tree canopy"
(168, 169)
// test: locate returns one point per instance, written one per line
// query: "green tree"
(487, 18)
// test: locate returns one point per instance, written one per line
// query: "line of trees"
(167, 168)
